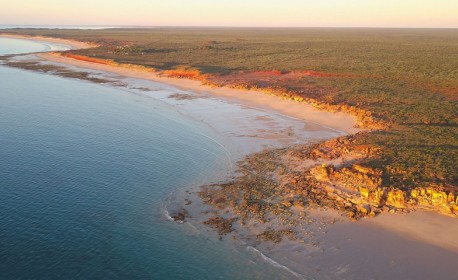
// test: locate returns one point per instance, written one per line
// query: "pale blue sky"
(365, 13)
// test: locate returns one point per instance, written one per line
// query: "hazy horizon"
(90, 26)
(235, 13)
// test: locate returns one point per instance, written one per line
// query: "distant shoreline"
(72, 43)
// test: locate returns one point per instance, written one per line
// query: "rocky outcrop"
(282, 186)
(435, 197)
(345, 177)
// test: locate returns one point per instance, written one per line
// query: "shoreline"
(72, 43)
(338, 121)
(381, 227)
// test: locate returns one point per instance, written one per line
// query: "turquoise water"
(85, 170)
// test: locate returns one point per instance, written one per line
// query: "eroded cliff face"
(364, 187)
(435, 197)
(345, 177)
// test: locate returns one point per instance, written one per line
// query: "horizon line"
(215, 26)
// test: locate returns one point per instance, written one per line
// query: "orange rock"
(364, 192)
(320, 172)
(451, 197)
(363, 209)
(396, 198)
(286, 203)
(362, 169)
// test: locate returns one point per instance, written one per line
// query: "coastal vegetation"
(402, 84)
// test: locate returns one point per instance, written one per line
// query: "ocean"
(85, 174)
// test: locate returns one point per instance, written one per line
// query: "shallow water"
(85, 171)
(18, 46)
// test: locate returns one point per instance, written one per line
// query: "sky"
(266, 13)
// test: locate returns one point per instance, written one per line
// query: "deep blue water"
(85, 170)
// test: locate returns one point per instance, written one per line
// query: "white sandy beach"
(340, 121)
